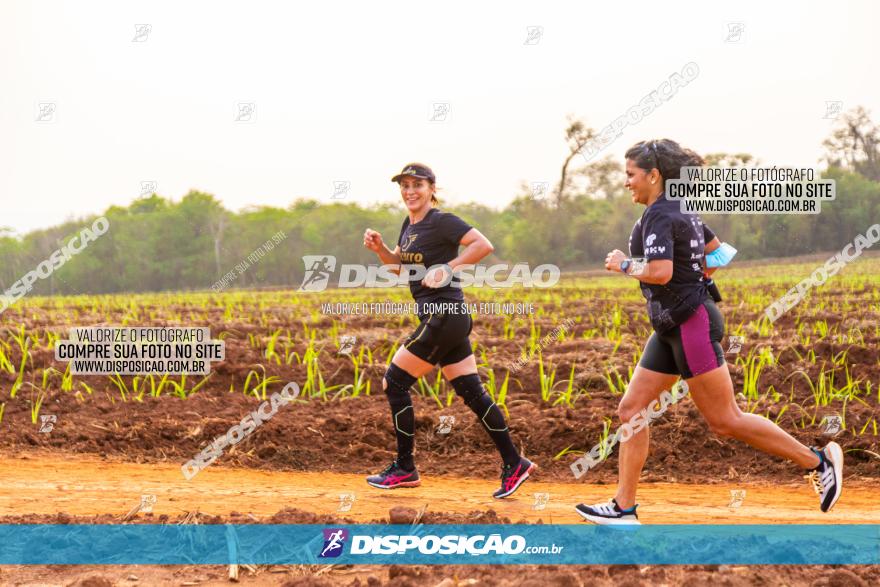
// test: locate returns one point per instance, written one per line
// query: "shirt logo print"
(650, 240)
(410, 239)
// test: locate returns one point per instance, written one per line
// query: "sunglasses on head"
(656, 156)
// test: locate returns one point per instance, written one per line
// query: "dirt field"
(314, 436)
(59, 488)
(445, 576)
(53, 487)
(825, 362)
(110, 442)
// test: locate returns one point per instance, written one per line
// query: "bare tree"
(577, 135)
(216, 225)
(855, 144)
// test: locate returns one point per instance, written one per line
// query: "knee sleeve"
(397, 384)
(471, 390)
(469, 387)
(397, 381)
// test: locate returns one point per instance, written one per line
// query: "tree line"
(156, 244)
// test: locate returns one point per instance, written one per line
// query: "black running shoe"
(512, 476)
(395, 476)
(608, 513)
(827, 478)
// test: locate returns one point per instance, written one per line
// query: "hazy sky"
(344, 92)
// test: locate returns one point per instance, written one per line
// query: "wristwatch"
(624, 265)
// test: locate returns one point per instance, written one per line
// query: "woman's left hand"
(436, 277)
(613, 260)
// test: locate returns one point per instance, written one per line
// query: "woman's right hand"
(373, 240)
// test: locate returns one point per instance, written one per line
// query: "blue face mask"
(720, 256)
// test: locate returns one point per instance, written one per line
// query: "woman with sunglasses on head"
(430, 238)
(688, 329)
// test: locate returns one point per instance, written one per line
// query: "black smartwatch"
(624, 265)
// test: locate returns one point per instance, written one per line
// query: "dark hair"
(667, 156)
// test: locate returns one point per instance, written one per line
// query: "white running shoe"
(827, 478)
(609, 514)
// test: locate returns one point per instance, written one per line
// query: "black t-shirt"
(434, 240)
(664, 232)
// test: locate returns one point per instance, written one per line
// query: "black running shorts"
(691, 348)
(441, 338)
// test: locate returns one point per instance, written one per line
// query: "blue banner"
(148, 544)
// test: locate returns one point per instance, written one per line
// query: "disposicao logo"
(473, 545)
(334, 541)
(319, 269)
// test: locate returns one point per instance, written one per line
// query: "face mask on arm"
(720, 256)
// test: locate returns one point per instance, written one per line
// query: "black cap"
(415, 170)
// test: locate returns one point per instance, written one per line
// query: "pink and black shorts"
(691, 348)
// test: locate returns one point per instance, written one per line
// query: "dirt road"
(51, 483)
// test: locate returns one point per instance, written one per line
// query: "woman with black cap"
(430, 238)
(668, 253)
